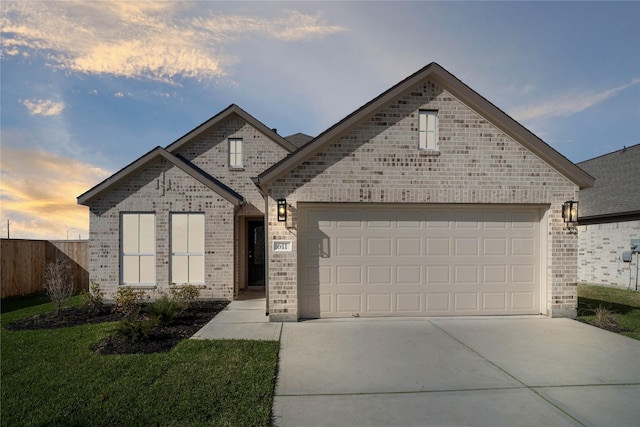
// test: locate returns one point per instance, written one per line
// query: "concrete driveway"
(530, 371)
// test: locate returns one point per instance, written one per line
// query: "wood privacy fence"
(23, 263)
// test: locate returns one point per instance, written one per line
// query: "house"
(610, 219)
(426, 201)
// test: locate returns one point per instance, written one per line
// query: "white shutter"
(179, 236)
(196, 269)
(196, 233)
(147, 234)
(179, 269)
(130, 269)
(129, 233)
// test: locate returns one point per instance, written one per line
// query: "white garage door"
(419, 261)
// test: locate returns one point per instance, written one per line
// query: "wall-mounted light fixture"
(570, 211)
(282, 210)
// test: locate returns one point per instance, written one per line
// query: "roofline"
(463, 92)
(223, 115)
(183, 164)
(609, 217)
(622, 150)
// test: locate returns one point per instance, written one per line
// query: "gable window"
(138, 243)
(187, 248)
(428, 130)
(235, 153)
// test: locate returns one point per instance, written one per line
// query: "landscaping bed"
(161, 338)
(613, 309)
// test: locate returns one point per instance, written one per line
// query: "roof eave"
(223, 115)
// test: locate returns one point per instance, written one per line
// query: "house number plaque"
(282, 245)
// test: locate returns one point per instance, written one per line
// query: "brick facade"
(377, 161)
(142, 192)
(600, 254)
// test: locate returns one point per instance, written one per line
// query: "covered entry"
(394, 260)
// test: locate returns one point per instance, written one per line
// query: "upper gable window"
(235, 153)
(428, 130)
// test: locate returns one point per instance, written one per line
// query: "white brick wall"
(378, 162)
(600, 253)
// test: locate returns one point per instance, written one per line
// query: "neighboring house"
(609, 217)
(426, 201)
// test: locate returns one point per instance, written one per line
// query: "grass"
(51, 377)
(600, 304)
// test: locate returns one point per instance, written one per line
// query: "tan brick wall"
(378, 162)
(139, 194)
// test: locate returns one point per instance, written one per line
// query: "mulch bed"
(161, 338)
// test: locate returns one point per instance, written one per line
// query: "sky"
(88, 87)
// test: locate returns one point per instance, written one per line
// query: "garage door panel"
(409, 303)
(417, 261)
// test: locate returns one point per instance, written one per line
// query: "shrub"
(185, 293)
(605, 319)
(135, 328)
(93, 298)
(165, 309)
(58, 282)
(128, 301)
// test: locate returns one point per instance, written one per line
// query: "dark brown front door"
(255, 235)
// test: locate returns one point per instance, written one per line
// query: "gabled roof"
(178, 161)
(221, 117)
(298, 139)
(461, 91)
(617, 188)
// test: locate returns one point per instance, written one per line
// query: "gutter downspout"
(263, 191)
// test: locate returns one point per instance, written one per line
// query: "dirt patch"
(161, 338)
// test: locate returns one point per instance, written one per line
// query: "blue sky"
(88, 87)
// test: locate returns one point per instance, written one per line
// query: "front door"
(255, 245)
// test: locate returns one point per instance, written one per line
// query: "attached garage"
(418, 260)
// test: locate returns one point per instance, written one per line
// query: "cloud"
(43, 107)
(39, 192)
(568, 103)
(151, 40)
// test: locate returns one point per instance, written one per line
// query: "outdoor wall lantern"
(282, 210)
(570, 211)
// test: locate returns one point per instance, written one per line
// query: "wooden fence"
(23, 263)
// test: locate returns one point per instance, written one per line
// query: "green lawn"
(624, 304)
(53, 378)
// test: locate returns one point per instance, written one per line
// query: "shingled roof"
(616, 192)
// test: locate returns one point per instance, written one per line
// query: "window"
(187, 248)
(235, 153)
(138, 242)
(428, 130)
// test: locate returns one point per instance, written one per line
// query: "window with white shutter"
(138, 246)
(187, 248)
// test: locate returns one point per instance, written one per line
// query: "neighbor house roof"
(178, 161)
(448, 81)
(224, 115)
(617, 188)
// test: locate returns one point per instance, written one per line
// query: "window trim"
(236, 157)
(188, 254)
(137, 254)
(429, 114)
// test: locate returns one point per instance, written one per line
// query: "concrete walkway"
(244, 320)
(530, 371)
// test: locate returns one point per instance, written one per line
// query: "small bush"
(165, 309)
(93, 299)
(604, 318)
(185, 293)
(128, 301)
(58, 282)
(135, 328)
